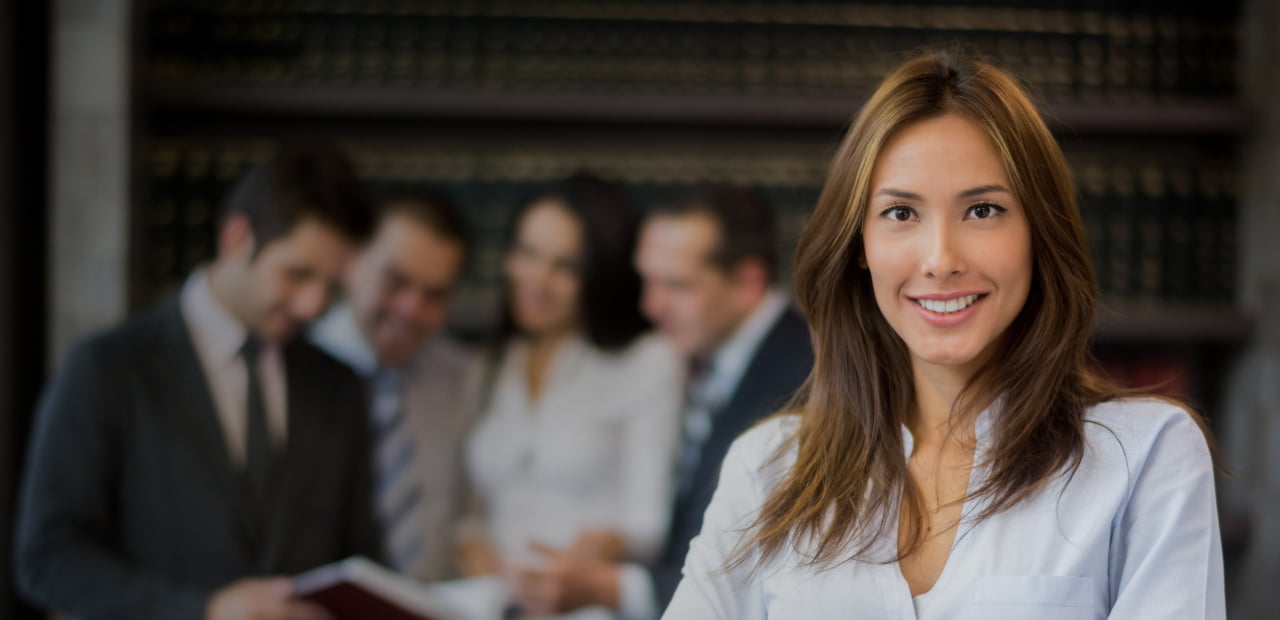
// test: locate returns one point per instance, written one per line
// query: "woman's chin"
(947, 358)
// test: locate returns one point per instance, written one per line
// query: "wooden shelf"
(1174, 326)
(1208, 116)
(1204, 116)
(408, 102)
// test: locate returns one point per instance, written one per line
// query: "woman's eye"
(898, 214)
(984, 211)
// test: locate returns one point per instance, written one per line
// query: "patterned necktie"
(399, 488)
(698, 412)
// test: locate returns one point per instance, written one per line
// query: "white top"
(595, 452)
(217, 337)
(1133, 535)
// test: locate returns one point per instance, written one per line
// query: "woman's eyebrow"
(984, 189)
(897, 193)
(968, 193)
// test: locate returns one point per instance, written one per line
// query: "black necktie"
(257, 437)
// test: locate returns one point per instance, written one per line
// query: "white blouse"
(1134, 534)
(596, 450)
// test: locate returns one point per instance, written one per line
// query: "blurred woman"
(955, 456)
(575, 447)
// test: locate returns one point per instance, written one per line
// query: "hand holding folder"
(358, 589)
(262, 598)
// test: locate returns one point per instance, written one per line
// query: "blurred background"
(124, 122)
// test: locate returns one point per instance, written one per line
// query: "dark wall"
(24, 64)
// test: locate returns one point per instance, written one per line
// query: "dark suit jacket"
(130, 505)
(780, 366)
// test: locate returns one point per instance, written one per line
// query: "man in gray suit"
(422, 386)
(182, 458)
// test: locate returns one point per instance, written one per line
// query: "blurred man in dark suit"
(182, 458)
(709, 262)
(422, 385)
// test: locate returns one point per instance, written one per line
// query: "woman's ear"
(862, 257)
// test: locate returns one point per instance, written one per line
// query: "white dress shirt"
(217, 337)
(1132, 535)
(593, 452)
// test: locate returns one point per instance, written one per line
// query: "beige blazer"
(440, 401)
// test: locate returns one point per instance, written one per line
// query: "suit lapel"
(758, 387)
(425, 408)
(778, 368)
(303, 452)
(184, 388)
(765, 386)
(431, 399)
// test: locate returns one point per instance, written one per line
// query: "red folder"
(358, 589)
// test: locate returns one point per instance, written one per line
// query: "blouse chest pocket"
(1044, 597)
(801, 593)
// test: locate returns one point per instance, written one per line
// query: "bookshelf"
(486, 99)
(1162, 221)
(1210, 116)
(1221, 326)
(219, 81)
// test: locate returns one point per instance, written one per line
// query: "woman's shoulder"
(770, 433)
(652, 344)
(766, 451)
(1136, 426)
(646, 350)
(647, 372)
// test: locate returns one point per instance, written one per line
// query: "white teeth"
(948, 306)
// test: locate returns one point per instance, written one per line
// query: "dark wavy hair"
(609, 301)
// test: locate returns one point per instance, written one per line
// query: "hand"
(568, 580)
(261, 599)
(605, 545)
(477, 557)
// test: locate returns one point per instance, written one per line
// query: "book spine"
(1179, 251)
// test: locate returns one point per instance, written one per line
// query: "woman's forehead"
(938, 158)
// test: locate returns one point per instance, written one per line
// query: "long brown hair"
(851, 465)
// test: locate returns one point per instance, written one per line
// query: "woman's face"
(542, 269)
(946, 241)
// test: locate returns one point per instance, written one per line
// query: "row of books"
(1162, 234)
(1045, 15)
(1158, 233)
(813, 48)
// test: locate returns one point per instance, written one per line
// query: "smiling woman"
(947, 245)
(953, 455)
